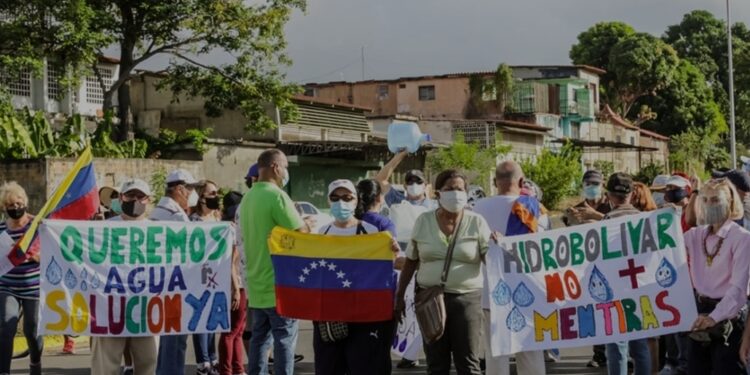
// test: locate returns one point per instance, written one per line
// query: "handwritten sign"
(135, 278)
(614, 280)
(407, 342)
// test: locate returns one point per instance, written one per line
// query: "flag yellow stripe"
(367, 246)
(85, 159)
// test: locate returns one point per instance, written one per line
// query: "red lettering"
(97, 329)
(155, 326)
(667, 307)
(572, 285)
(173, 313)
(554, 287)
(566, 323)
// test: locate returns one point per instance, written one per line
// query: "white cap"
(678, 181)
(135, 184)
(346, 184)
(660, 181)
(181, 175)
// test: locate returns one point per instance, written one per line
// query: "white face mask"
(415, 190)
(453, 201)
(193, 199)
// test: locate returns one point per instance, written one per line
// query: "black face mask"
(16, 213)
(133, 208)
(674, 196)
(213, 203)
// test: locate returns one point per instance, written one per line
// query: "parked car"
(307, 209)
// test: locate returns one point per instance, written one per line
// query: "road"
(573, 362)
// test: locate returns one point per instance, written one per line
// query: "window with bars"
(54, 74)
(482, 133)
(18, 86)
(94, 92)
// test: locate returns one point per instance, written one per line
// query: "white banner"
(614, 280)
(135, 278)
(407, 342)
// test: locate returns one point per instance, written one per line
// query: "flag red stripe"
(82, 208)
(334, 305)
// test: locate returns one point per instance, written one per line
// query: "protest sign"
(407, 341)
(614, 280)
(135, 278)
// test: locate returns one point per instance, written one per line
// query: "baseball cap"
(136, 184)
(181, 175)
(660, 182)
(346, 184)
(679, 181)
(620, 183)
(592, 175)
(253, 171)
(105, 195)
(414, 173)
(739, 179)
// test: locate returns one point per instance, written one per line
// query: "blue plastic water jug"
(405, 135)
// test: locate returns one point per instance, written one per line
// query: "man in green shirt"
(264, 207)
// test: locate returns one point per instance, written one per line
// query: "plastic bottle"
(405, 135)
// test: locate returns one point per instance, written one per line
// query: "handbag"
(429, 305)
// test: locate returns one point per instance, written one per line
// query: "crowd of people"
(715, 217)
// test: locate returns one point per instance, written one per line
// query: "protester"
(594, 205)
(19, 288)
(207, 210)
(109, 200)
(677, 193)
(620, 194)
(180, 195)
(741, 182)
(427, 251)
(416, 185)
(366, 349)
(657, 189)
(369, 203)
(642, 198)
(719, 263)
(264, 207)
(252, 176)
(231, 348)
(502, 215)
(107, 352)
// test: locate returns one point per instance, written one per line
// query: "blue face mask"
(592, 191)
(342, 211)
(116, 206)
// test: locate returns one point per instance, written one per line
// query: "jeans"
(365, 351)
(617, 357)
(462, 338)
(172, 355)
(267, 323)
(9, 308)
(676, 355)
(204, 345)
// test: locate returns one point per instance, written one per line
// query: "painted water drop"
(84, 286)
(522, 296)
(54, 272)
(402, 347)
(515, 320)
(501, 294)
(70, 280)
(599, 287)
(394, 344)
(95, 282)
(666, 275)
(84, 274)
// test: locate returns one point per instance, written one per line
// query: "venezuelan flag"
(76, 198)
(333, 278)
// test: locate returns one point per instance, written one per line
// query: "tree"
(642, 65)
(474, 160)
(594, 46)
(77, 32)
(697, 150)
(556, 172)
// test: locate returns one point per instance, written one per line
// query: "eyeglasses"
(345, 198)
(135, 195)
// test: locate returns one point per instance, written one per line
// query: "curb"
(20, 344)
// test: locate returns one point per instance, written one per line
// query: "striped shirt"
(23, 280)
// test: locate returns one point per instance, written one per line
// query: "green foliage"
(158, 183)
(503, 83)
(185, 31)
(473, 159)
(648, 173)
(605, 166)
(164, 145)
(557, 173)
(697, 151)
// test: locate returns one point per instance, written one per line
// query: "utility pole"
(363, 61)
(733, 139)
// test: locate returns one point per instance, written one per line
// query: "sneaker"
(35, 368)
(551, 357)
(592, 363)
(127, 370)
(69, 347)
(298, 358)
(406, 363)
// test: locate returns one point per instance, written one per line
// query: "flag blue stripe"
(84, 182)
(333, 274)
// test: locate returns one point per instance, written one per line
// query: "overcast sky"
(420, 37)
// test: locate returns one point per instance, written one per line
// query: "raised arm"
(385, 173)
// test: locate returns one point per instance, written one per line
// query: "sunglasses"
(345, 198)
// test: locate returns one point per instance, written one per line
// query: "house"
(44, 93)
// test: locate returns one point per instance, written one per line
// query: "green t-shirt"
(430, 246)
(264, 207)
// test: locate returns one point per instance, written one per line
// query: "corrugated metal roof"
(332, 118)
